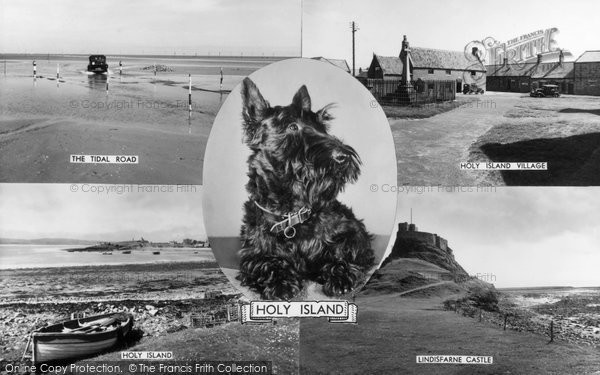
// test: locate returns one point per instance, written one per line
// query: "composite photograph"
(299, 187)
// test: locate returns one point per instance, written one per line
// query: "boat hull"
(58, 346)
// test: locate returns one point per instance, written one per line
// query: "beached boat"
(79, 338)
(156, 252)
(126, 252)
(107, 253)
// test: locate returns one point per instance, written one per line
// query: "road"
(430, 150)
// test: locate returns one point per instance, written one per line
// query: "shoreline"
(167, 261)
(161, 296)
(209, 264)
(571, 327)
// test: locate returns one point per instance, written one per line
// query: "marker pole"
(190, 96)
(107, 79)
(221, 81)
(34, 69)
(57, 72)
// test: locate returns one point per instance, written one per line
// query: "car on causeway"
(545, 91)
(97, 64)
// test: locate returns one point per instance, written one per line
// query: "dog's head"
(294, 142)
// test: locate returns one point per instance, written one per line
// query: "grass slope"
(229, 342)
(392, 331)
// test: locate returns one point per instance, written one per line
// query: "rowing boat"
(79, 338)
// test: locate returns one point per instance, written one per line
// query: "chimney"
(561, 57)
(539, 58)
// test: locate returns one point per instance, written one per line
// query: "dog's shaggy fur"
(295, 164)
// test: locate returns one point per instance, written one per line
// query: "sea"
(47, 256)
(133, 94)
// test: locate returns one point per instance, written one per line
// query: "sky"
(232, 27)
(29, 211)
(523, 236)
(441, 24)
(273, 27)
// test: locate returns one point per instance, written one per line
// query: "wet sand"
(43, 121)
(38, 150)
(43, 146)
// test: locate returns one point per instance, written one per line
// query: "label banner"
(265, 311)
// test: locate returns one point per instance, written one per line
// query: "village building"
(581, 77)
(428, 64)
(524, 77)
(586, 73)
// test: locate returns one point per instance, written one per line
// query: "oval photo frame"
(356, 121)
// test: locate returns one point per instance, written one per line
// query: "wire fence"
(527, 321)
(222, 314)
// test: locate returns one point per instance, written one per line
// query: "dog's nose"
(339, 157)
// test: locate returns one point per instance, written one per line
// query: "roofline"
(438, 49)
(591, 50)
(464, 70)
(428, 67)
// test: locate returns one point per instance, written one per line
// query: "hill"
(414, 248)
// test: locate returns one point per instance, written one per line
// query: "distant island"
(139, 244)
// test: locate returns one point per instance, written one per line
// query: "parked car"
(472, 89)
(97, 64)
(545, 91)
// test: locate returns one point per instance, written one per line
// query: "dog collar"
(290, 220)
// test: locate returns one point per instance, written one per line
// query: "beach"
(43, 121)
(161, 296)
(575, 312)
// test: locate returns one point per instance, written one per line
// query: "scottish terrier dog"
(294, 229)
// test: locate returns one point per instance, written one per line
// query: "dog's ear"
(253, 102)
(253, 108)
(302, 99)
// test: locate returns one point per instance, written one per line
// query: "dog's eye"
(293, 126)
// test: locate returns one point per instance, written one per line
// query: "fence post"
(505, 319)
(551, 331)
(479, 314)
